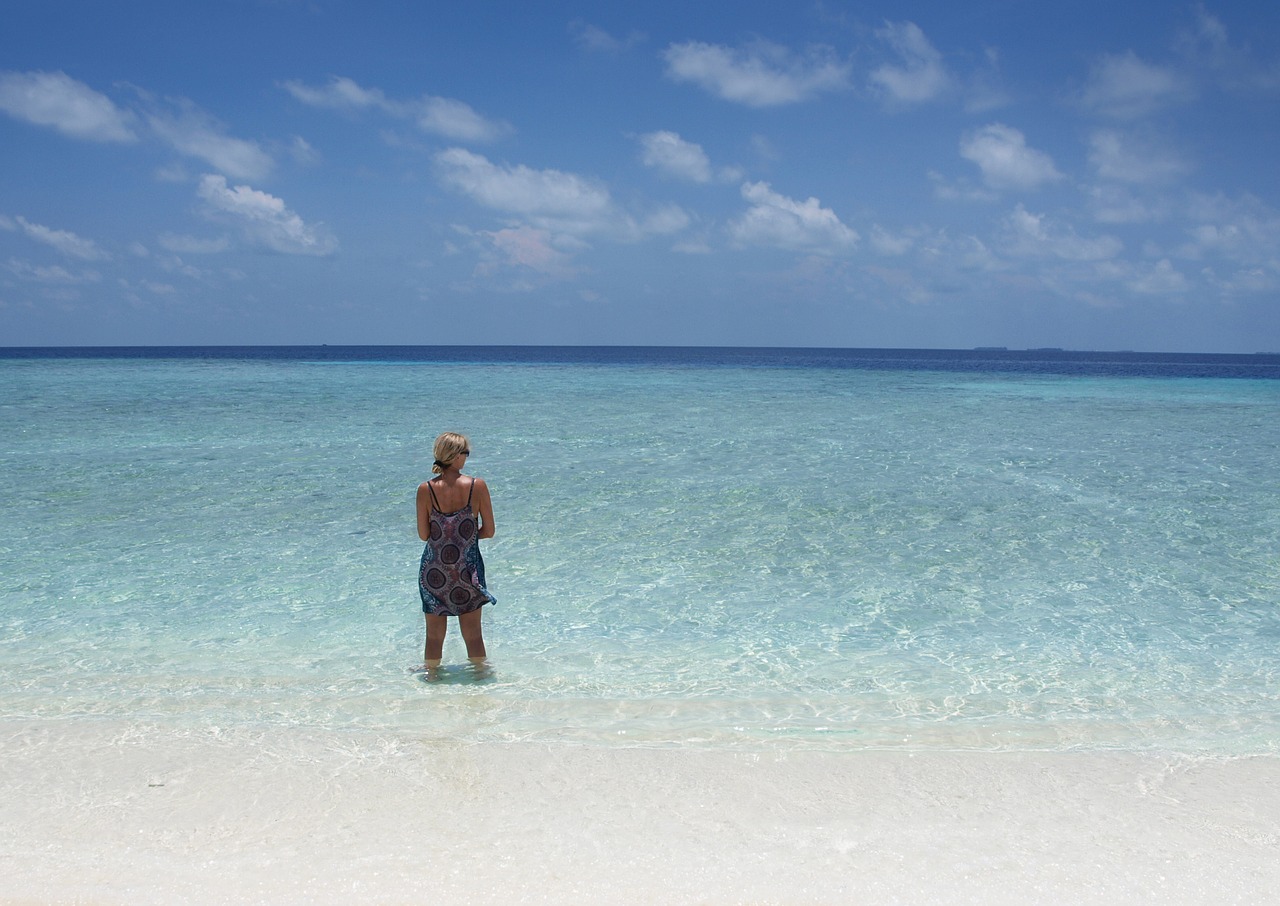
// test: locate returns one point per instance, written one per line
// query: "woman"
(454, 513)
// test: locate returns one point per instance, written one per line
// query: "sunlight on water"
(727, 556)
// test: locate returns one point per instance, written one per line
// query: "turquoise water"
(724, 556)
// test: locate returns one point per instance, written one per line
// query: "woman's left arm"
(484, 505)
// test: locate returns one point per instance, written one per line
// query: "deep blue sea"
(983, 549)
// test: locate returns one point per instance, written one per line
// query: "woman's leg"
(469, 623)
(437, 626)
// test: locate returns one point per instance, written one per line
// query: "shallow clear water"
(726, 556)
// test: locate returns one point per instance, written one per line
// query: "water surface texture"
(736, 548)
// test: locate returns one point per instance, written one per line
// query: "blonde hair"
(447, 446)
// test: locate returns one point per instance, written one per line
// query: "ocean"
(741, 549)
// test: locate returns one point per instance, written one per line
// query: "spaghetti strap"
(471, 487)
(434, 502)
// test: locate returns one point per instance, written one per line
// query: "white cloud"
(1006, 162)
(961, 190)
(886, 243)
(1126, 158)
(1161, 279)
(764, 148)
(985, 90)
(1125, 87)
(694, 245)
(55, 275)
(775, 220)
(193, 132)
(340, 94)
(1209, 48)
(453, 119)
(762, 75)
(1247, 281)
(551, 198)
(596, 39)
(437, 115)
(55, 99)
(1034, 236)
(64, 241)
(921, 77)
(174, 172)
(666, 220)
(527, 247)
(561, 210)
(1116, 204)
(1208, 42)
(192, 245)
(302, 152)
(174, 265)
(1245, 231)
(668, 152)
(265, 218)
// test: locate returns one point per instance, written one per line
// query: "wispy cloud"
(760, 75)
(550, 198)
(65, 241)
(192, 245)
(1159, 279)
(1208, 48)
(54, 275)
(1031, 235)
(437, 115)
(554, 214)
(1244, 231)
(193, 132)
(1123, 86)
(920, 76)
(1116, 203)
(890, 244)
(985, 89)
(56, 100)
(776, 220)
(665, 220)
(525, 247)
(1006, 161)
(597, 40)
(264, 219)
(1125, 157)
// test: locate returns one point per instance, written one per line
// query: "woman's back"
(451, 496)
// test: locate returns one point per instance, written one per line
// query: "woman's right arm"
(424, 511)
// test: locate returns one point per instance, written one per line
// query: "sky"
(1081, 175)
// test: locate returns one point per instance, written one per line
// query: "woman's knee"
(436, 628)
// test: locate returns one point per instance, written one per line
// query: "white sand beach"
(104, 813)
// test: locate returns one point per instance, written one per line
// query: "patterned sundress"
(451, 577)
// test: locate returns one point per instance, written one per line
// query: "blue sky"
(914, 174)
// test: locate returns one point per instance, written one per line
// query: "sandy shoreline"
(109, 813)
